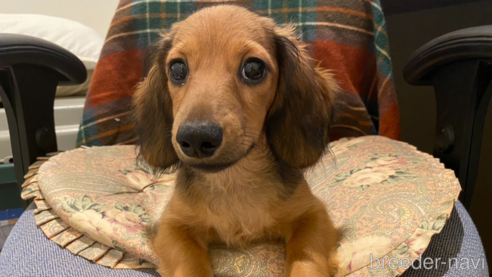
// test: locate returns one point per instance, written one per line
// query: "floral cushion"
(389, 197)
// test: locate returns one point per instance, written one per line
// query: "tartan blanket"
(346, 36)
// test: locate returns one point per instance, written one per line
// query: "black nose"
(199, 139)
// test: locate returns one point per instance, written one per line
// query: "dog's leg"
(180, 253)
(311, 251)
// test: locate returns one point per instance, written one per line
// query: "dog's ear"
(152, 109)
(298, 121)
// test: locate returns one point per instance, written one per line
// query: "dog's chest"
(239, 215)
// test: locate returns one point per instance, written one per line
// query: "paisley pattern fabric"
(390, 199)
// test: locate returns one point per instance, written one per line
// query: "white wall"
(96, 14)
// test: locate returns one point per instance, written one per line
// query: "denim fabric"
(458, 241)
(28, 252)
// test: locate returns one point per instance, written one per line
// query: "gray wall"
(407, 32)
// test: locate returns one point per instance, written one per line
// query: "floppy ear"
(152, 108)
(298, 122)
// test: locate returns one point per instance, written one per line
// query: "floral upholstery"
(390, 199)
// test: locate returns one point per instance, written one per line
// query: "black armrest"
(464, 44)
(30, 71)
(459, 67)
(21, 49)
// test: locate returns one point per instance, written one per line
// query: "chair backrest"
(346, 36)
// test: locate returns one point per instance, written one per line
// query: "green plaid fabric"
(346, 36)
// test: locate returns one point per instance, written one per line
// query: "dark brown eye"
(253, 70)
(178, 71)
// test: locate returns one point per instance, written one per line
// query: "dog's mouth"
(215, 167)
(212, 168)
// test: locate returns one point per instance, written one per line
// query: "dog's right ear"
(152, 109)
(299, 119)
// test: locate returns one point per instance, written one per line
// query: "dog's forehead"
(222, 26)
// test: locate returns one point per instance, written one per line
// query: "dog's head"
(222, 81)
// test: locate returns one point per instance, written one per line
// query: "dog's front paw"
(179, 253)
(333, 264)
(305, 268)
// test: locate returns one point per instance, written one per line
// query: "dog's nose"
(199, 139)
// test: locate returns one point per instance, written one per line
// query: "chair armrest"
(459, 67)
(30, 71)
(22, 49)
(469, 43)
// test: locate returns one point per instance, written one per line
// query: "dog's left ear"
(152, 111)
(298, 122)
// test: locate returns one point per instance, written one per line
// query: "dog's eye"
(253, 69)
(178, 71)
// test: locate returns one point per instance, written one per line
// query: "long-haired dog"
(234, 102)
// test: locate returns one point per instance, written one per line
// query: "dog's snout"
(199, 139)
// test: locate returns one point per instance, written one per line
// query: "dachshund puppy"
(235, 104)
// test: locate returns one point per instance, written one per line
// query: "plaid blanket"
(346, 36)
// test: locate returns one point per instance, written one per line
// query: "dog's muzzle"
(199, 139)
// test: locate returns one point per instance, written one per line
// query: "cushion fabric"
(391, 199)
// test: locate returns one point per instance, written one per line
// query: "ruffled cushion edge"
(65, 236)
(416, 244)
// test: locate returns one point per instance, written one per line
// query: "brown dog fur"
(271, 132)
